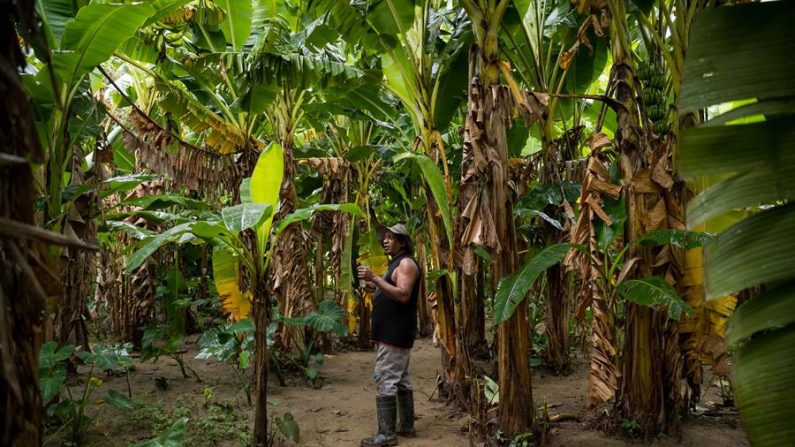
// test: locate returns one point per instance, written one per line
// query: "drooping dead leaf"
(642, 183)
(597, 141)
(597, 185)
(568, 56)
(661, 176)
(596, 207)
(657, 218)
(328, 166)
(188, 166)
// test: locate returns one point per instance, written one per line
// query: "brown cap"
(398, 229)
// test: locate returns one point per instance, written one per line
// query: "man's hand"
(366, 274)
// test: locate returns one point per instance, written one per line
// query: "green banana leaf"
(375, 28)
(92, 37)
(772, 310)
(759, 157)
(435, 181)
(678, 238)
(128, 228)
(265, 185)
(349, 21)
(764, 387)
(152, 244)
(54, 15)
(401, 79)
(246, 215)
(391, 17)
(739, 53)
(245, 190)
(757, 250)
(303, 214)
(743, 147)
(512, 289)
(655, 291)
(346, 260)
(237, 24)
(160, 201)
(722, 66)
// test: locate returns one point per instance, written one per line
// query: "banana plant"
(356, 161)
(233, 253)
(750, 148)
(251, 70)
(64, 93)
(553, 49)
(79, 40)
(485, 198)
(422, 50)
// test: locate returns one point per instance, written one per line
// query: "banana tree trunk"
(70, 324)
(559, 284)
(21, 296)
(473, 331)
(338, 234)
(489, 111)
(557, 320)
(261, 302)
(78, 268)
(456, 367)
(453, 376)
(425, 323)
(651, 362)
(291, 273)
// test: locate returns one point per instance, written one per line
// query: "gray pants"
(392, 370)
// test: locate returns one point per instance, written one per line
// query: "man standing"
(394, 328)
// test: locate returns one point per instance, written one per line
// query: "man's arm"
(404, 277)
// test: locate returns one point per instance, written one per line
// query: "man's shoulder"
(410, 263)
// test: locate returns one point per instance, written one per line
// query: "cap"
(399, 229)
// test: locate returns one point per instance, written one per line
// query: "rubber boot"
(405, 404)
(387, 419)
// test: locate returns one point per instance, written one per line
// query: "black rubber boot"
(387, 418)
(405, 404)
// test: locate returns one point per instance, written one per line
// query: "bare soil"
(342, 410)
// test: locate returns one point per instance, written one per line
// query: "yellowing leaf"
(351, 309)
(226, 272)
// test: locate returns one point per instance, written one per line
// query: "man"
(394, 328)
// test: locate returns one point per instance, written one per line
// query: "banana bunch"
(652, 78)
(180, 16)
(209, 15)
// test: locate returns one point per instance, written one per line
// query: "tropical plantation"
(397, 222)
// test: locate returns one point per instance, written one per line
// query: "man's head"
(397, 240)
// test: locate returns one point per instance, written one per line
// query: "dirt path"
(342, 411)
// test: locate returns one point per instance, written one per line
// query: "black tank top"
(395, 323)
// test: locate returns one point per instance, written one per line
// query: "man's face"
(391, 244)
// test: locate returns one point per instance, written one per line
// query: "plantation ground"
(342, 411)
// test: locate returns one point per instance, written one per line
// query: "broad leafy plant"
(231, 344)
(225, 232)
(242, 242)
(652, 291)
(751, 149)
(68, 404)
(327, 319)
